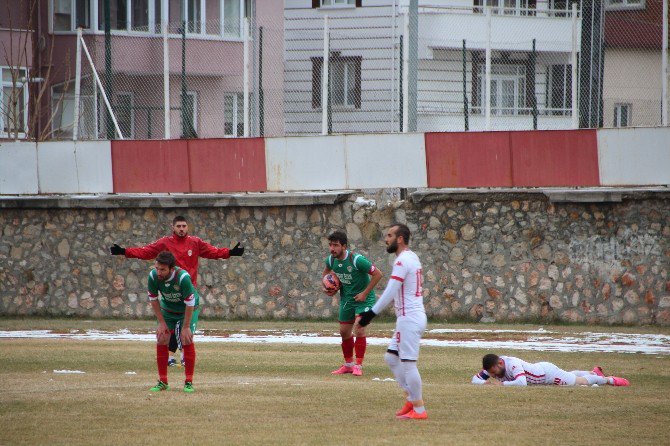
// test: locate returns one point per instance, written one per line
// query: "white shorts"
(407, 335)
(557, 376)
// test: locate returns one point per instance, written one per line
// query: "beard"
(393, 247)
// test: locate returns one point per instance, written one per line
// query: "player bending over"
(511, 371)
(404, 288)
(178, 305)
(358, 277)
(187, 250)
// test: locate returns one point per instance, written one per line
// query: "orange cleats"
(405, 409)
(411, 415)
(343, 370)
(357, 370)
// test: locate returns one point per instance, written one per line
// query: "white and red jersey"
(515, 367)
(407, 271)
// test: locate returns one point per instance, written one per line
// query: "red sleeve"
(148, 252)
(212, 252)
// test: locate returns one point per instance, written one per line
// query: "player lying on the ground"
(358, 277)
(511, 371)
(179, 304)
(405, 290)
(187, 250)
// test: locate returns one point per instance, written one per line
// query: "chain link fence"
(494, 65)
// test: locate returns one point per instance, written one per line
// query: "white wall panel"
(634, 156)
(305, 163)
(386, 160)
(57, 167)
(18, 168)
(94, 166)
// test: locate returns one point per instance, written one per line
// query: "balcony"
(512, 29)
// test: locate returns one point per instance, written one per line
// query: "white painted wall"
(18, 168)
(634, 156)
(305, 163)
(94, 166)
(81, 167)
(391, 160)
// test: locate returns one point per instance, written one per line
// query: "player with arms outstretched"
(404, 288)
(358, 277)
(187, 249)
(179, 304)
(511, 371)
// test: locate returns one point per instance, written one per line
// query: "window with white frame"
(124, 109)
(221, 18)
(559, 91)
(622, 115)
(508, 88)
(13, 100)
(233, 114)
(343, 82)
(62, 109)
(624, 4)
(336, 3)
(68, 15)
(191, 106)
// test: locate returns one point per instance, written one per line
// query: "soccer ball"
(331, 282)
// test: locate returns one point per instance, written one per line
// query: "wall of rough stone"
(489, 257)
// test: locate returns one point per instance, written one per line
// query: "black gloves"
(116, 250)
(366, 318)
(236, 250)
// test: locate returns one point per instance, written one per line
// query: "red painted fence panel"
(468, 159)
(227, 165)
(150, 166)
(554, 158)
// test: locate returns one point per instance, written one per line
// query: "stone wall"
(486, 257)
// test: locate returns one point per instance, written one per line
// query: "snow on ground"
(539, 340)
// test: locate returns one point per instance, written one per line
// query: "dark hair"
(166, 258)
(402, 230)
(338, 236)
(179, 218)
(489, 361)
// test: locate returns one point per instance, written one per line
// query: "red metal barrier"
(464, 159)
(227, 165)
(554, 158)
(150, 166)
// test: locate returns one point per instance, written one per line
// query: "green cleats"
(188, 387)
(159, 387)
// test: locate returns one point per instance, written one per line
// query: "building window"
(125, 113)
(13, 100)
(345, 80)
(624, 4)
(336, 3)
(191, 106)
(62, 109)
(506, 7)
(622, 115)
(233, 114)
(68, 15)
(508, 88)
(559, 90)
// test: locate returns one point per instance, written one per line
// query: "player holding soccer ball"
(357, 277)
(179, 304)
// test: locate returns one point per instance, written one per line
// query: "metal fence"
(508, 65)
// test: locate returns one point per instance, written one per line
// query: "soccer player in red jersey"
(187, 249)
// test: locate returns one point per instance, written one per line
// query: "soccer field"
(279, 393)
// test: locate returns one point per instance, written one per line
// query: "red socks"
(189, 361)
(161, 362)
(348, 349)
(360, 344)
